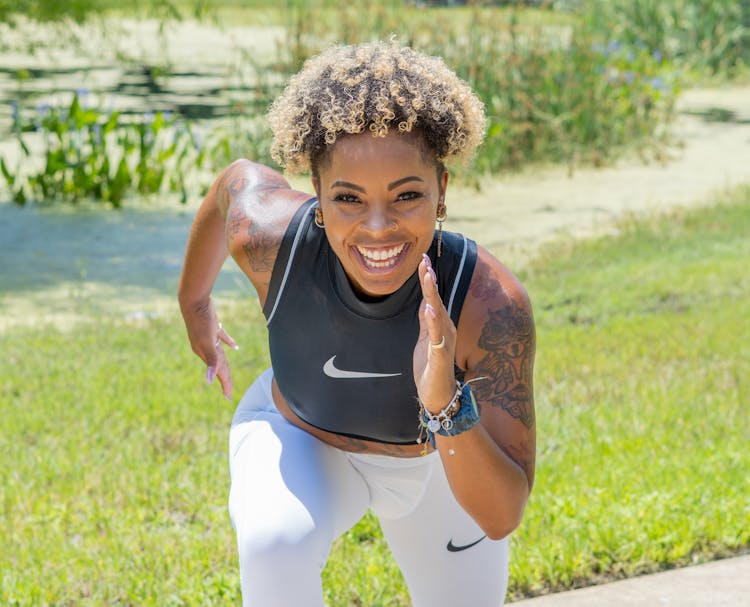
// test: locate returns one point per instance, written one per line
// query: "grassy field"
(643, 389)
(114, 477)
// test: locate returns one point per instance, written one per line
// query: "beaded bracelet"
(458, 416)
(442, 419)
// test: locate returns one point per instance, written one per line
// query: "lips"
(380, 258)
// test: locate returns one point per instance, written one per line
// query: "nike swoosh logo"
(453, 548)
(331, 371)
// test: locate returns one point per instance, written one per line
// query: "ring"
(440, 345)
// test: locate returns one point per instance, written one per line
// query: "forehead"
(395, 151)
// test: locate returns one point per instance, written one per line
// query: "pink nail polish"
(210, 374)
(430, 310)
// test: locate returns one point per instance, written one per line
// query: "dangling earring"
(319, 218)
(442, 215)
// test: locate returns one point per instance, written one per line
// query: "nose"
(379, 220)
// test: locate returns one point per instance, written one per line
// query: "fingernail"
(426, 259)
(434, 276)
(235, 347)
(210, 374)
(430, 310)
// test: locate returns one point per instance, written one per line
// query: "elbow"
(503, 521)
(499, 535)
(501, 529)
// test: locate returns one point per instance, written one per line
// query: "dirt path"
(517, 214)
(62, 266)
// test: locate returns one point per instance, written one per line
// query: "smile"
(380, 258)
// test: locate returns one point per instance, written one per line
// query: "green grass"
(114, 477)
(642, 384)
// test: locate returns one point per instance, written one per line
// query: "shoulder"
(257, 204)
(257, 192)
(497, 310)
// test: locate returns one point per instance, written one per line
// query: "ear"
(443, 183)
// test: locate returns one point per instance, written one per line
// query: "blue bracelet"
(464, 419)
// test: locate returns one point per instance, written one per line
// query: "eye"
(346, 199)
(407, 196)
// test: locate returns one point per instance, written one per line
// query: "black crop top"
(343, 364)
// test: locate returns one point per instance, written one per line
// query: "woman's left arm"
(490, 467)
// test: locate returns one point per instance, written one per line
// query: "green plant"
(556, 88)
(88, 153)
(557, 95)
(704, 36)
(82, 10)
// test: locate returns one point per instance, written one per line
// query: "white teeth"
(380, 264)
(381, 254)
(381, 258)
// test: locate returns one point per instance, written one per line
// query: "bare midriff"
(346, 443)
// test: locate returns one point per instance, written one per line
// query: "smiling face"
(379, 198)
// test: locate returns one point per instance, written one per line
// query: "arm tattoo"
(234, 222)
(230, 188)
(484, 289)
(508, 338)
(263, 236)
(262, 245)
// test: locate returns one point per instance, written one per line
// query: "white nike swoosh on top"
(331, 371)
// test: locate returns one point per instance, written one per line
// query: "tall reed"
(705, 36)
(555, 89)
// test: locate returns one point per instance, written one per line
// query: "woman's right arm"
(245, 213)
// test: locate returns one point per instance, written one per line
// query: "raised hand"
(434, 353)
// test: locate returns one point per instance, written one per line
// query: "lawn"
(115, 478)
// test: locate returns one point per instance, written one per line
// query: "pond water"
(201, 71)
(64, 263)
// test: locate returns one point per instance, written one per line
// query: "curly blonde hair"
(375, 86)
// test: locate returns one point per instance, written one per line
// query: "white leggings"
(292, 496)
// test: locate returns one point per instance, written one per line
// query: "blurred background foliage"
(82, 10)
(566, 81)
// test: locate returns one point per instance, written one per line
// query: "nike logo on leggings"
(453, 548)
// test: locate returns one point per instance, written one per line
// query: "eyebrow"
(399, 182)
(346, 184)
(391, 186)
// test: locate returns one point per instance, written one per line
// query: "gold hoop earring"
(442, 215)
(319, 218)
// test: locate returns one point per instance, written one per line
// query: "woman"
(401, 355)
